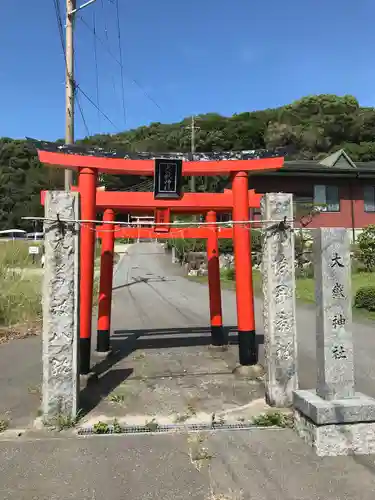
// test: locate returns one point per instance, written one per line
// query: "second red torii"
(144, 233)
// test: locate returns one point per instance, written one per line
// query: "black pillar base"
(102, 341)
(247, 348)
(84, 356)
(218, 336)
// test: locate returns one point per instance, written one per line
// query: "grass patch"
(20, 298)
(305, 290)
(20, 294)
(16, 254)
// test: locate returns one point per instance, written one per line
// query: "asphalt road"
(256, 465)
(161, 297)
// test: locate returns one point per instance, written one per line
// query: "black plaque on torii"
(167, 178)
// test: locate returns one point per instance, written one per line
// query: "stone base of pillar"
(218, 348)
(359, 408)
(251, 372)
(334, 440)
(104, 354)
(88, 379)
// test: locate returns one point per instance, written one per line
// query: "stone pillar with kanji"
(279, 301)
(60, 388)
(334, 418)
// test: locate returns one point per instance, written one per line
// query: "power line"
(82, 115)
(96, 66)
(97, 107)
(105, 21)
(120, 54)
(108, 50)
(100, 40)
(60, 26)
(75, 84)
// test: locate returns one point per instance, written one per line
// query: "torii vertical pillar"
(106, 280)
(87, 189)
(248, 354)
(216, 316)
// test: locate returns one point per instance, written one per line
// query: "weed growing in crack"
(139, 355)
(34, 389)
(63, 421)
(4, 424)
(274, 419)
(117, 429)
(223, 496)
(152, 425)
(217, 421)
(181, 418)
(191, 411)
(101, 428)
(116, 397)
(199, 454)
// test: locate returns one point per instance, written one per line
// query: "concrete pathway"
(162, 366)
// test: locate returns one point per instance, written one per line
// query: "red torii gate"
(142, 202)
(221, 202)
(90, 162)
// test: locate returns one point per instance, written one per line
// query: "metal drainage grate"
(144, 429)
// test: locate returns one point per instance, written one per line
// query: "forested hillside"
(314, 125)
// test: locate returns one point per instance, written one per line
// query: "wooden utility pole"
(69, 84)
(193, 129)
(71, 10)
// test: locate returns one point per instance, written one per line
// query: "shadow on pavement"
(125, 342)
(159, 279)
(94, 392)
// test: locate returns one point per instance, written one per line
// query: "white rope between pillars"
(170, 224)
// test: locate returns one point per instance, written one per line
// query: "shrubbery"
(225, 245)
(228, 274)
(365, 298)
(366, 247)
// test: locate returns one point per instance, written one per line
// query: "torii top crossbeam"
(201, 164)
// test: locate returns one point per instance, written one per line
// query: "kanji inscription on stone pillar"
(334, 342)
(60, 305)
(279, 309)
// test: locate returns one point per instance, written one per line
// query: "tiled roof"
(337, 162)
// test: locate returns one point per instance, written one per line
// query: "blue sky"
(192, 57)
